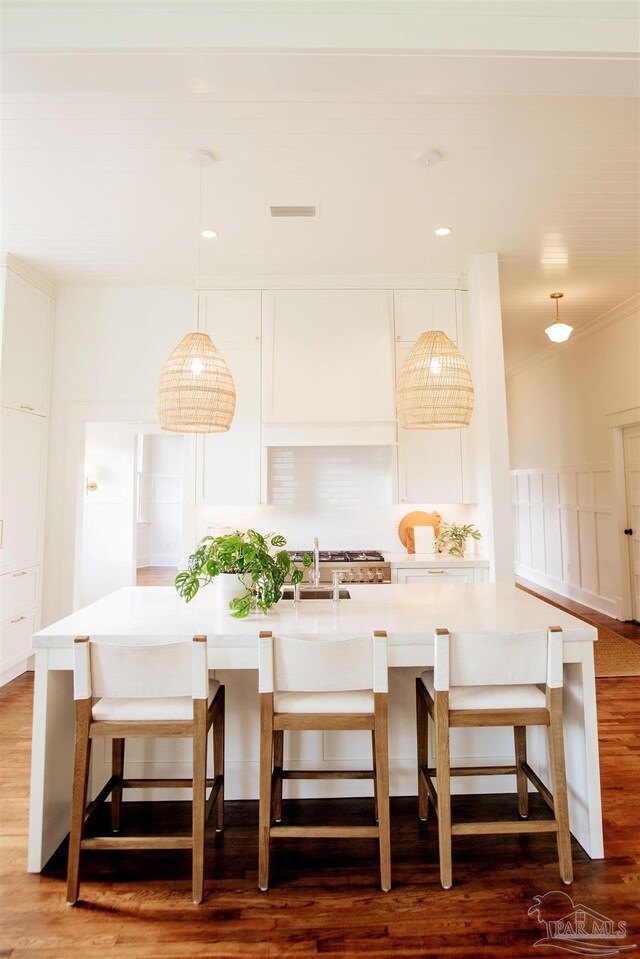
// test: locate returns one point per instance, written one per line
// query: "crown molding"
(412, 281)
(617, 313)
(18, 266)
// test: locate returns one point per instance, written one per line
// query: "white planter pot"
(228, 587)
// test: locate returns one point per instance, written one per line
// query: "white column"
(490, 433)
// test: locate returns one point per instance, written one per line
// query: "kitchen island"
(409, 614)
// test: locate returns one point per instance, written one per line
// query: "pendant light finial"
(558, 332)
(196, 392)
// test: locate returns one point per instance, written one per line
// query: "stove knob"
(379, 576)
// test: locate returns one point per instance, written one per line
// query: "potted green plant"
(452, 537)
(258, 566)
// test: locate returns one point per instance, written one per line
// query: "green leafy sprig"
(453, 536)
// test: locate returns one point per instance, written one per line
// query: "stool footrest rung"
(326, 774)
(498, 828)
(324, 832)
(138, 842)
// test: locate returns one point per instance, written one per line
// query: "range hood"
(330, 434)
(328, 368)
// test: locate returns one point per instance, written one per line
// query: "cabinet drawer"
(15, 638)
(436, 574)
(19, 590)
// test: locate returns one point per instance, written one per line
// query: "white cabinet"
(328, 357)
(419, 310)
(438, 573)
(26, 346)
(228, 465)
(433, 465)
(24, 438)
(27, 333)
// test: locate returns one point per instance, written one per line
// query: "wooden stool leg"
(218, 757)
(375, 776)
(382, 788)
(278, 765)
(422, 723)
(559, 782)
(266, 774)
(79, 796)
(200, 707)
(117, 771)
(520, 741)
(443, 778)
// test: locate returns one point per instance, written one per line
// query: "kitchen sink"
(308, 592)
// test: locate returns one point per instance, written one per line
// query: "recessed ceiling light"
(209, 234)
(443, 231)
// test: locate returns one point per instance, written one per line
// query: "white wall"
(165, 499)
(110, 345)
(563, 489)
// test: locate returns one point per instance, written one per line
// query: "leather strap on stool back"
(315, 664)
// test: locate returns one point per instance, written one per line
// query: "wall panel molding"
(565, 533)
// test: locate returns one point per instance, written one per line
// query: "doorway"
(132, 508)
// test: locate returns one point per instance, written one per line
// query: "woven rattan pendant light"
(435, 390)
(196, 392)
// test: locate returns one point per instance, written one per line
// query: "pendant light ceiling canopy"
(558, 332)
(435, 390)
(196, 392)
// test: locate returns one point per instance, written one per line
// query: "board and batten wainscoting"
(564, 531)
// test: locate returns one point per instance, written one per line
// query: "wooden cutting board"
(418, 518)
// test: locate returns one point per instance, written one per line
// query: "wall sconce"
(90, 485)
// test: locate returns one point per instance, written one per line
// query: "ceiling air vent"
(293, 210)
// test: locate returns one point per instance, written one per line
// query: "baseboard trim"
(609, 607)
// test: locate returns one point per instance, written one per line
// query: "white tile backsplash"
(342, 495)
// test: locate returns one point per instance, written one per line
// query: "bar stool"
(493, 680)
(145, 690)
(313, 683)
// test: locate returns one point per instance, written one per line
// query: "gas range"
(354, 566)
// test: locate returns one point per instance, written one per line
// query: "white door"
(23, 454)
(631, 444)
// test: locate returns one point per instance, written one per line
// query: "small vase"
(228, 587)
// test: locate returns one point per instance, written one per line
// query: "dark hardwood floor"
(325, 898)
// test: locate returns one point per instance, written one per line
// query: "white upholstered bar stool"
(315, 683)
(507, 679)
(145, 690)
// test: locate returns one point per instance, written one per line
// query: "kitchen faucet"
(316, 562)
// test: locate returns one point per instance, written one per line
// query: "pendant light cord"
(199, 241)
(429, 254)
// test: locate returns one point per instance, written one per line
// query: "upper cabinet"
(26, 345)
(433, 465)
(419, 310)
(328, 364)
(228, 470)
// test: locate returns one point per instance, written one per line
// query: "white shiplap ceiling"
(541, 151)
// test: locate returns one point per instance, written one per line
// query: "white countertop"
(409, 613)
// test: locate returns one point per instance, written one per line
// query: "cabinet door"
(19, 590)
(15, 639)
(430, 462)
(228, 464)
(229, 316)
(23, 461)
(419, 310)
(455, 574)
(26, 346)
(328, 357)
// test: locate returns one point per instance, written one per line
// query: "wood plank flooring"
(325, 898)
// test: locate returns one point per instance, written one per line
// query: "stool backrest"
(498, 659)
(140, 668)
(317, 664)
